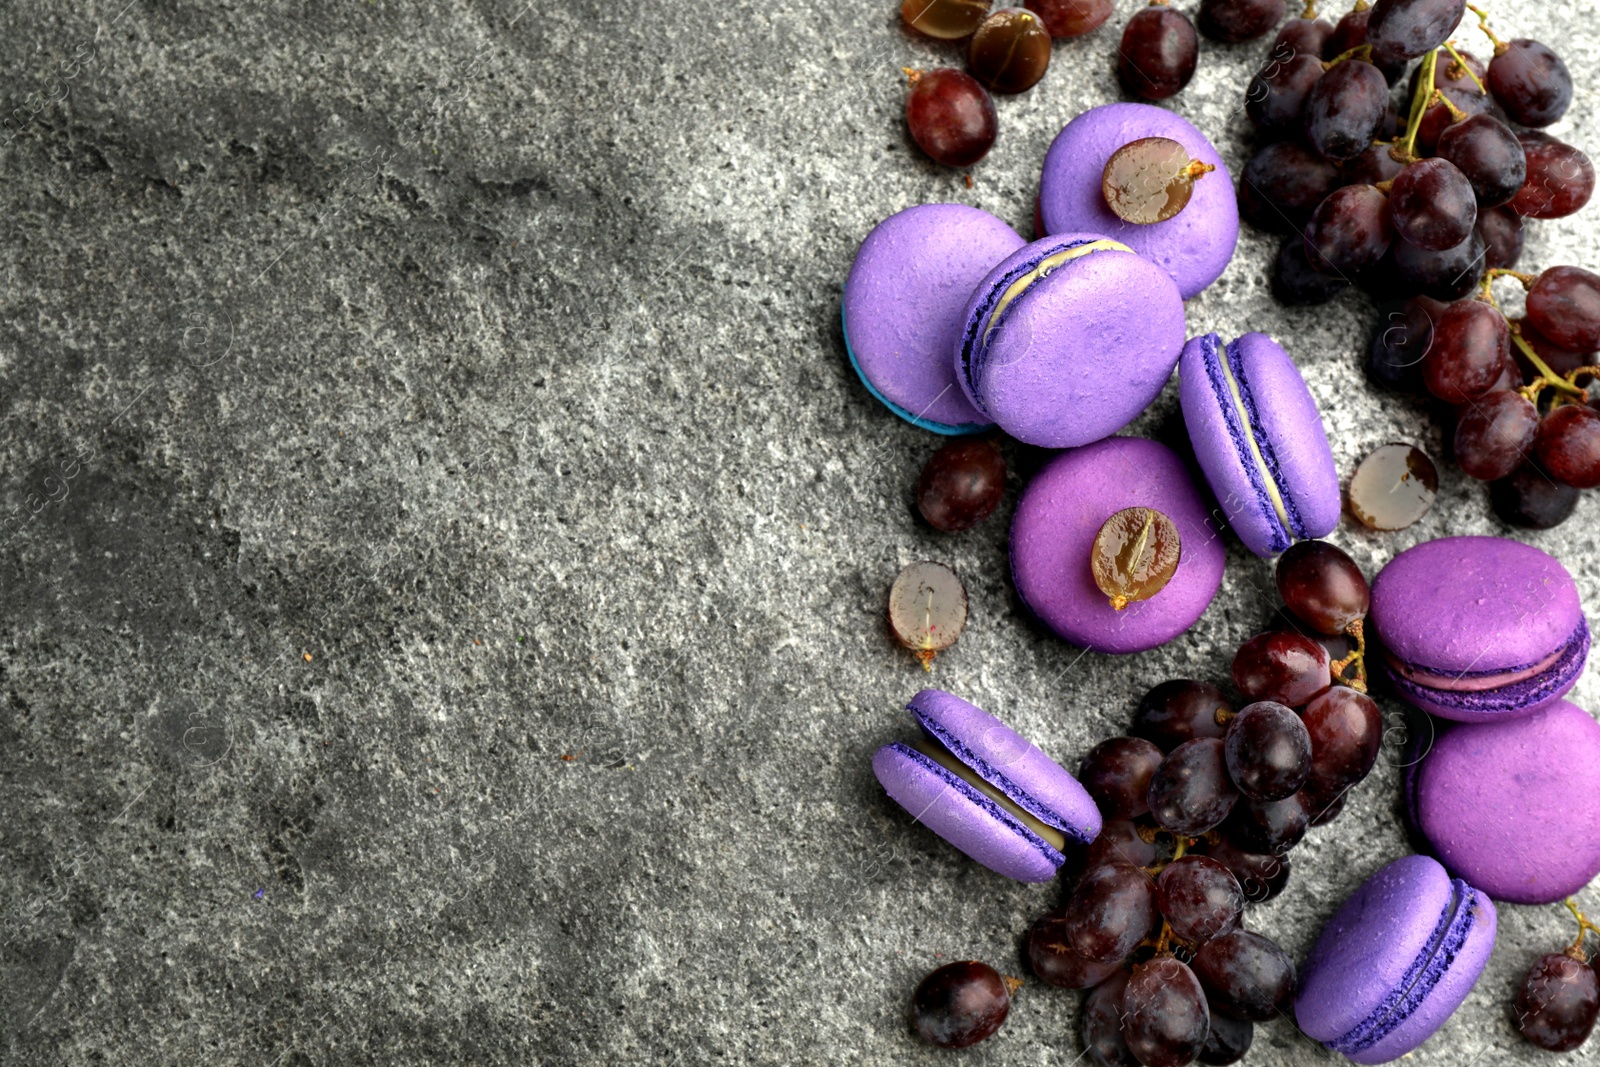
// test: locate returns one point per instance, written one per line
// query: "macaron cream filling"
(1485, 681)
(1005, 293)
(942, 756)
(1244, 424)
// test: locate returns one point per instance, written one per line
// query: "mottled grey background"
(447, 545)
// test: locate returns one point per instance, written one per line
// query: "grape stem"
(1311, 10)
(1360, 51)
(1546, 375)
(1462, 63)
(1357, 658)
(1500, 47)
(1585, 927)
(1406, 150)
(1456, 114)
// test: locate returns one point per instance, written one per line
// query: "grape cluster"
(1160, 46)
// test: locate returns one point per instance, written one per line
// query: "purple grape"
(1111, 910)
(1488, 155)
(1401, 30)
(1117, 773)
(1199, 897)
(1531, 82)
(1350, 230)
(1165, 1017)
(1282, 185)
(1345, 108)
(1432, 205)
(1191, 791)
(1246, 976)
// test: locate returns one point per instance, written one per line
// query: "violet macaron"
(1053, 532)
(1395, 961)
(1194, 246)
(1258, 436)
(1068, 339)
(985, 789)
(1514, 806)
(902, 308)
(1479, 628)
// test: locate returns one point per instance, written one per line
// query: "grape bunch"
(1524, 421)
(1411, 200)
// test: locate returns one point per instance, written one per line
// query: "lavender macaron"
(989, 792)
(1479, 628)
(1053, 532)
(1194, 246)
(902, 308)
(1258, 436)
(1395, 961)
(1514, 806)
(1068, 339)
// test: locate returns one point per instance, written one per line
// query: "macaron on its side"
(1284, 415)
(1052, 537)
(901, 310)
(1514, 806)
(1068, 340)
(1194, 246)
(1524, 696)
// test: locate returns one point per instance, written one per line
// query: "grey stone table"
(445, 542)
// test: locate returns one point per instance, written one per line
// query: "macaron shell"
(902, 308)
(1053, 532)
(1080, 353)
(962, 816)
(1194, 246)
(1514, 807)
(1295, 433)
(1506, 702)
(1221, 456)
(1009, 762)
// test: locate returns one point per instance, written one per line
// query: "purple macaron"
(902, 308)
(1194, 246)
(1069, 339)
(1258, 436)
(1053, 533)
(982, 787)
(1479, 628)
(1514, 806)
(1395, 961)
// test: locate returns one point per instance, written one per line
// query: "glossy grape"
(1276, 97)
(960, 1004)
(1531, 82)
(1375, 164)
(1502, 233)
(1488, 155)
(1400, 340)
(1345, 108)
(1158, 54)
(1111, 910)
(1350, 230)
(1346, 731)
(1447, 275)
(1011, 50)
(1191, 791)
(1246, 976)
(1282, 185)
(1071, 18)
(1531, 499)
(1100, 1024)
(1323, 809)
(1393, 487)
(1287, 668)
(1404, 29)
(1432, 205)
(1564, 305)
(1297, 283)
(1052, 958)
(1268, 827)
(1228, 1041)
(1495, 434)
(1451, 79)
(1557, 1002)
(945, 20)
(1568, 445)
(962, 484)
(1300, 37)
(1351, 32)
(1117, 773)
(1471, 343)
(1323, 586)
(1268, 749)
(1560, 178)
(1262, 876)
(1120, 842)
(1180, 710)
(1232, 21)
(1199, 897)
(1165, 1018)
(951, 116)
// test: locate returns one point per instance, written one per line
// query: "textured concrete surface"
(446, 545)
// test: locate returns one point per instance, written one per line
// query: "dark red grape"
(1432, 205)
(1375, 164)
(1120, 842)
(1323, 586)
(1228, 1041)
(1471, 342)
(1268, 749)
(1287, 668)
(1351, 33)
(1100, 1024)
(1117, 773)
(1159, 51)
(1447, 275)
(1277, 94)
(1351, 230)
(1111, 910)
(1533, 500)
(1404, 29)
(1180, 710)
(1071, 18)
(1560, 178)
(945, 20)
(1282, 185)
(1488, 155)
(1323, 810)
(1301, 37)
(1531, 82)
(1495, 434)
(1451, 79)
(1199, 897)
(1564, 305)
(1400, 341)
(1191, 791)
(960, 1004)
(1164, 1014)
(1557, 1002)
(1262, 876)
(1232, 21)
(952, 117)
(1568, 445)
(1296, 283)
(1052, 958)
(1501, 231)
(1345, 108)
(1346, 730)
(1268, 827)
(1246, 976)
(961, 484)
(1011, 50)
